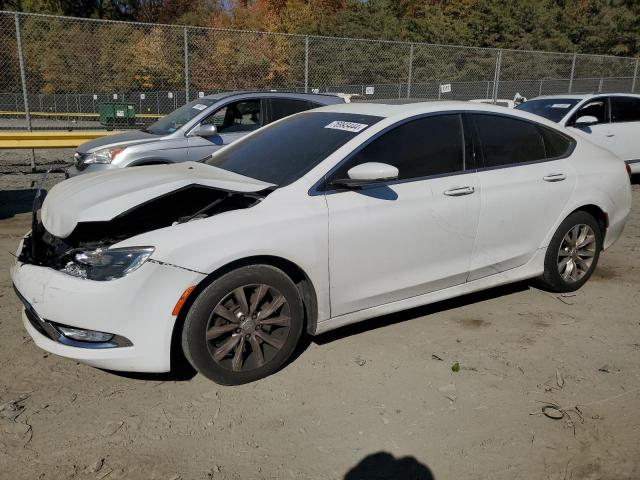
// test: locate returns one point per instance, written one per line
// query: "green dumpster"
(114, 114)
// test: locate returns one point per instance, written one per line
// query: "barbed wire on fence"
(55, 72)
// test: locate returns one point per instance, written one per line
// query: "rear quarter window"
(555, 143)
(507, 140)
(510, 141)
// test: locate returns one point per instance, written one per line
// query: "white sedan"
(319, 220)
(611, 120)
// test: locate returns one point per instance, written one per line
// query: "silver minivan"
(195, 130)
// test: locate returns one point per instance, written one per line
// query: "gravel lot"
(374, 400)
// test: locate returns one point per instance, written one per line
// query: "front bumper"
(53, 331)
(136, 308)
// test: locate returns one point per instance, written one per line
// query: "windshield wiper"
(205, 208)
(254, 196)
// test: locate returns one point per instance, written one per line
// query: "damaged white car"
(319, 220)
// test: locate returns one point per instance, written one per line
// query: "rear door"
(233, 121)
(525, 182)
(625, 120)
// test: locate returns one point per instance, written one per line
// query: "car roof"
(583, 96)
(407, 110)
(323, 98)
(410, 109)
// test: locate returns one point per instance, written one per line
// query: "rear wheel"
(244, 326)
(572, 254)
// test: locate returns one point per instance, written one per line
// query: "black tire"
(551, 279)
(200, 351)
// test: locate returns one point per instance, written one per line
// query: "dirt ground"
(376, 400)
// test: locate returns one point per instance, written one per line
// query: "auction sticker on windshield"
(347, 126)
(561, 105)
(199, 106)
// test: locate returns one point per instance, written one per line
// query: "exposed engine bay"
(186, 204)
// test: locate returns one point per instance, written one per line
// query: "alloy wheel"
(576, 253)
(248, 327)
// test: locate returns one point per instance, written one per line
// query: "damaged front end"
(85, 252)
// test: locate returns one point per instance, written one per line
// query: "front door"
(392, 241)
(600, 132)
(233, 121)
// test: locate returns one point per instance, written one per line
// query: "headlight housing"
(105, 155)
(107, 263)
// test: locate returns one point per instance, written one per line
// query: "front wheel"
(572, 254)
(244, 326)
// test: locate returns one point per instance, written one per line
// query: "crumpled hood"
(133, 137)
(105, 195)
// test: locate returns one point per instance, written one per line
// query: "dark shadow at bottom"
(384, 466)
(181, 371)
(413, 313)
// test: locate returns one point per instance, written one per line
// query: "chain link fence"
(58, 72)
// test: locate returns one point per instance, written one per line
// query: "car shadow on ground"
(182, 371)
(13, 202)
(415, 313)
(384, 466)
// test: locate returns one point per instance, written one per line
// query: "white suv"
(609, 120)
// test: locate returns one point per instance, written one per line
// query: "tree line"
(584, 26)
(67, 56)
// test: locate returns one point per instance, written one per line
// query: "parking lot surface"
(453, 390)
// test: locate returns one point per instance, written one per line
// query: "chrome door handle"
(609, 135)
(459, 191)
(554, 177)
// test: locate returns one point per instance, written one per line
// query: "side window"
(243, 116)
(282, 107)
(216, 118)
(625, 109)
(507, 140)
(555, 144)
(419, 148)
(598, 108)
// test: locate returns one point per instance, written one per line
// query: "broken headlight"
(105, 155)
(107, 263)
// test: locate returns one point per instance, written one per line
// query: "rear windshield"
(553, 109)
(176, 119)
(282, 152)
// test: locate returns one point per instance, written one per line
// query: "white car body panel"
(533, 268)
(362, 256)
(509, 228)
(102, 196)
(626, 140)
(296, 233)
(425, 248)
(151, 293)
(602, 135)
